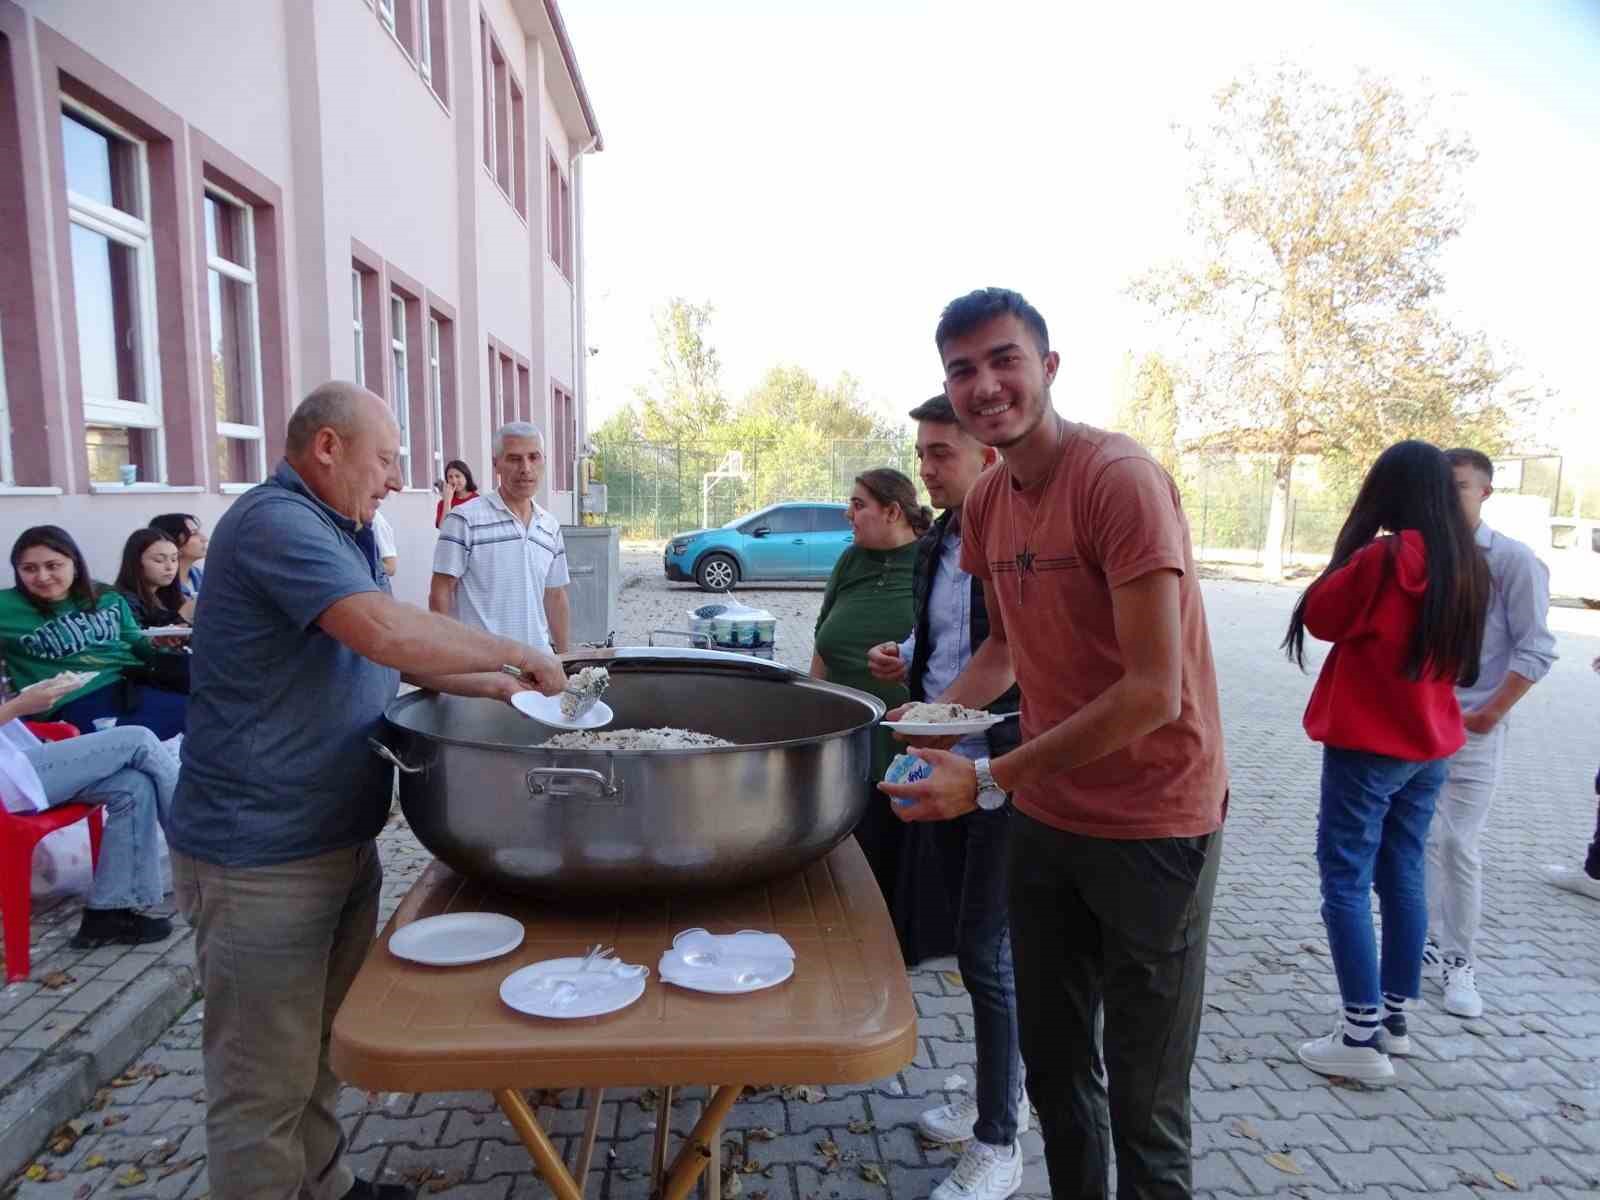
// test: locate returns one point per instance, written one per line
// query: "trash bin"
(594, 559)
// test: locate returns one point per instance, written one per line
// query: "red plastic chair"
(19, 834)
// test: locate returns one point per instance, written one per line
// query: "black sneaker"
(119, 927)
(365, 1189)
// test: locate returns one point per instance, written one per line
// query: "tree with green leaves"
(1147, 408)
(684, 397)
(1310, 295)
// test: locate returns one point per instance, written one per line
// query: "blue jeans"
(1372, 833)
(130, 772)
(983, 948)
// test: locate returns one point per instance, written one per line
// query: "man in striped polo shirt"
(500, 563)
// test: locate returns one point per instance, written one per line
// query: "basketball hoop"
(731, 467)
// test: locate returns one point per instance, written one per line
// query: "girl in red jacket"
(1403, 603)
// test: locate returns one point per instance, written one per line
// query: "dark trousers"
(983, 949)
(1591, 862)
(1109, 941)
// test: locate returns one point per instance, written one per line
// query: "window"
(1563, 537)
(504, 122)
(113, 281)
(360, 372)
(524, 394)
(400, 398)
(519, 169)
(830, 520)
(432, 56)
(782, 520)
(559, 205)
(563, 438)
(235, 338)
(496, 418)
(386, 13)
(1594, 534)
(436, 394)
(508, 388)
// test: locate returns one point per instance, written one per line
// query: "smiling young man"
(1119, 786)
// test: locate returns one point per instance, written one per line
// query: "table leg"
(526, 1122)
(591, 1128)
(711, 1182)
(696, 1153)
(658, 1157)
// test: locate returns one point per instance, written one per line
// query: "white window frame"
(360, 332)
(435, 393)
(246, 275)
(400, 402)
(386, 13)
(136, 234)
(425, 41)
(496, 409)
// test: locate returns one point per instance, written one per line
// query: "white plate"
(455, 939)
(601, 989)
(169, 631)
(946, 728)
(76, 678)
(547, 711)
(770, 973)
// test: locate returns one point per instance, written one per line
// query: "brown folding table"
(846, 1016)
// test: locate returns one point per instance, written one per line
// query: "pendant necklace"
(1025, 557)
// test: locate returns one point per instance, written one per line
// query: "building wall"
(323, 110)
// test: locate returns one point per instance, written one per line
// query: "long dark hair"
(457, 465)
(175, 526)
(84, 592)
(130, 576)
(1411, 487)
(888, 486)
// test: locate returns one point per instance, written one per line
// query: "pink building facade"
(207, 207)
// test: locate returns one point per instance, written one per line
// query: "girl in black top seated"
(148, 579)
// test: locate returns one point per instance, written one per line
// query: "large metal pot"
(485, 796)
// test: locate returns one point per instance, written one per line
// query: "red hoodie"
(1364, 700)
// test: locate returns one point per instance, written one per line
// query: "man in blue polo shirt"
(298, 649)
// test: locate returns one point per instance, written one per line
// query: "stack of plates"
(727, 964)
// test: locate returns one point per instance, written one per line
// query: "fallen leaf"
(54, 1176)
(1313, 948)
(761, 1134)
(732, 1185)
(953, 978)
(1474, 1180)
(159, 1155)
(36, 1172)
(132, 1177)
(809, 1093)
(955, 1083)
(113, 1120)
(859, 1126)
(1509, 1180)
(56, 980)
(1571, 1111)
(753, 1166)
(828, 1148)
(444, 1182)
(82, 1191)
(101, 1098)
(1243, 1128)
(93, 1161)
(1284, 1163)
(873, 1173)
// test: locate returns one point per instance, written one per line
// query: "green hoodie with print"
(104, 639)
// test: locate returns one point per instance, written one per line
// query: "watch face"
(991, 798)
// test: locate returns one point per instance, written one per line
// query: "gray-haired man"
(500, 563)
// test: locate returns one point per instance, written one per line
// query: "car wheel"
(716, 573)
(1591, 601)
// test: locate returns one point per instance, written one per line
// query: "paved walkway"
(1508, 1102)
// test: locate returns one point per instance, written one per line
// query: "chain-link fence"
(657, 489)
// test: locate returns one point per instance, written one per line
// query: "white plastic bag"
(61, 863)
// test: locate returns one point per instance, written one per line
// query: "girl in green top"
(868, 601)
(58, 619)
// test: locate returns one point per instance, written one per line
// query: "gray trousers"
(278, 948)
(1455, 842)
(1109, 942)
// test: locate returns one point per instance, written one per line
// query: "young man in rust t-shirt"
(1119, 785)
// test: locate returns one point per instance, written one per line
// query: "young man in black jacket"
(951, 623)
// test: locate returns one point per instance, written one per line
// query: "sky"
(828, 173)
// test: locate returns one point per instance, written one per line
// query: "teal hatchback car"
(796, 540)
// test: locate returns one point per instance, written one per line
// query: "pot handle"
(389, 756)
(538, 787)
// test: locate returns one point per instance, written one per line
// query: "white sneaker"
(952, 1123)
(1571, 879)
(1332, 1055)
(1461, 997)
(1432, 962)
(984, 1172)
(1395, 1045)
